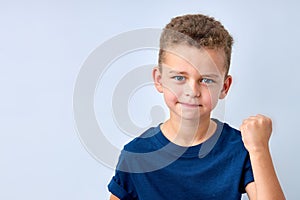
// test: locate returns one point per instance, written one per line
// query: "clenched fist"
(256, 132)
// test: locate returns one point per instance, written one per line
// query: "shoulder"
(146, 142)
(230, 137)
(230, 132)
(140, 154)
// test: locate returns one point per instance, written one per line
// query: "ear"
(157, 78)
(226, 86)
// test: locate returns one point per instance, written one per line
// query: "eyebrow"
(183, 72)
(177, 72)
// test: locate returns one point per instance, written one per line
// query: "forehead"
(204, 60)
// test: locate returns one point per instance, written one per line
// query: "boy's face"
(192, 80)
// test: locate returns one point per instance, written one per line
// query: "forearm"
(113, 197)
(266, 181)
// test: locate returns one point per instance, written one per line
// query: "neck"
(188, 132)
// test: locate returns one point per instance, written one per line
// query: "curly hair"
(199, 31)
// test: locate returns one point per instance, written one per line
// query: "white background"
(43, 45)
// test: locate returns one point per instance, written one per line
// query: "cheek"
(210, 97)
(172, 90)
(172, 94)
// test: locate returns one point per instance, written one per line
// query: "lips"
(190, 105)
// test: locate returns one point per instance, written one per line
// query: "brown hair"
(199, 31)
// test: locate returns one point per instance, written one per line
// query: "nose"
(192, 89)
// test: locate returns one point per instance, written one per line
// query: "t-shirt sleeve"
(119, 187)
(121, 184)
(247, 175)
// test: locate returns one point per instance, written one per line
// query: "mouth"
(190, 105)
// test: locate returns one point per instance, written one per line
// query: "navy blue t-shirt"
(151, 167)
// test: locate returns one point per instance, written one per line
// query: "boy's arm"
(113, 197)
(256, 132)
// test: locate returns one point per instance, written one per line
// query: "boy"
(192, 156)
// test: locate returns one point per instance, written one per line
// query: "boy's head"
(194, 61)
(197, 31)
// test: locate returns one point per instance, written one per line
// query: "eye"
(179, 78)
(207, 81)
